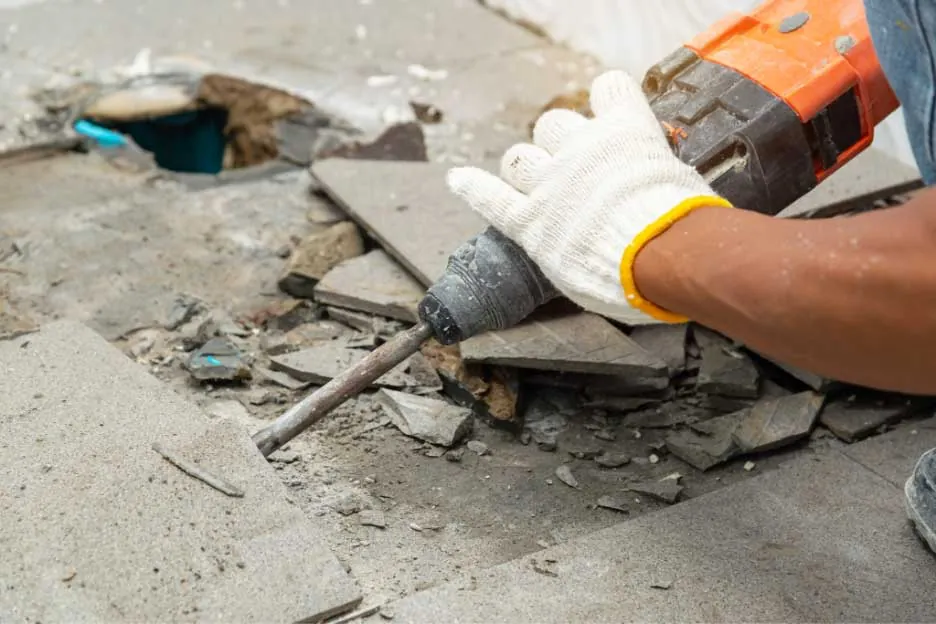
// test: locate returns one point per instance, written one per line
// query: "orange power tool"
(769, 104)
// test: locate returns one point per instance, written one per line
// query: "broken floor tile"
(218, 360)
(380, 326)
(724, 369)
(317, 254)
(183, 309)
(282, 379)
(409, 210)
(615, 502)
(775, 422)
(322, 362)
(372, 283)
(706, 450)
(665, 490)
(564, 474)
(356, 320)
(666, 341)
(430, 420)
(406, 206)
(664, 416)
(423, 375)
(574, 342)
(855, 418)
(324, 330)
(383, 328)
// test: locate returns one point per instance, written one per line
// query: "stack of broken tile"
(719, 400)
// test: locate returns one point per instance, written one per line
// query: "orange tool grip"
(806, 52)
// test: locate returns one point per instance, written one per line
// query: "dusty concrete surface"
(821, 539)
(96, 526)
(116, 254)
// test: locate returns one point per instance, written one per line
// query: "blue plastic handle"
(102, 136)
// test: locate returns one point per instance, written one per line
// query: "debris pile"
(711, 400)
(629, 410)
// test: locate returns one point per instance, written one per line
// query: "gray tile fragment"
(372, 283)
(430, 420)
(775, 422)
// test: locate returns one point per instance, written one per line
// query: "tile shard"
(320, 363)
(709, 449)
(725, 370)
(666, 341)
(665, 490)
(775, 422)
(855, 418)
(583, 343)
(372, 283)
(430, 420)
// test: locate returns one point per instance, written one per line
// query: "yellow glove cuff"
(650, 232)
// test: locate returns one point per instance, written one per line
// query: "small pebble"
(654, 458)
(612, 460)
(478, 447)
(749, 466)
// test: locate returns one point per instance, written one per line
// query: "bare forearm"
(851, 298)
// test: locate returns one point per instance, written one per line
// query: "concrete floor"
(112, 249)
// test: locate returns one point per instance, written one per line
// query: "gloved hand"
(588, 195)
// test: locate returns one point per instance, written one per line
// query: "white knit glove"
(588, 195)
